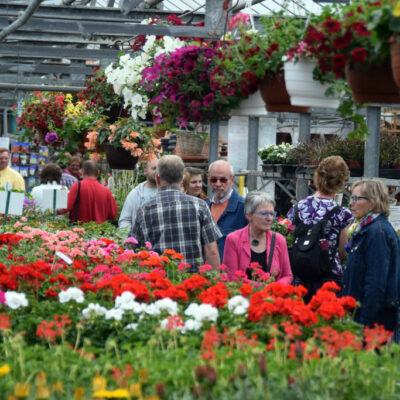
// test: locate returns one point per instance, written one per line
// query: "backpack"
(310, 261)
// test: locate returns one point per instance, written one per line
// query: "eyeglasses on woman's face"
(357, 198)
(266, 213)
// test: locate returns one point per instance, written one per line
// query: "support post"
(371, 152)
(213, 146)
(252, 152)
(304, 137)
(215, 17)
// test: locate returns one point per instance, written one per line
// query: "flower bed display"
(115, 323)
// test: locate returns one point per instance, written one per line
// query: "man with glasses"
(227, 207)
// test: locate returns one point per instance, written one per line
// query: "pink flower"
(130, 240)
(239, 19)
(183, 266)
(23, 219)
(205, 268)
(17, 224)
(2, 298)
(148, 245)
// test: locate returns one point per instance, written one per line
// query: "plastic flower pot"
(119, 158)
(395, 59)
(373, 83)
(276, 98)
(252, 106)
(303, 89)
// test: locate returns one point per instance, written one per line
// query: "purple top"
(313, 209)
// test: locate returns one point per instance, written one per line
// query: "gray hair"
(170, 169)
(254, 199)
(221, 162)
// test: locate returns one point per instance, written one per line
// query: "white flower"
(238, 305)
(132, 326)
(168, 305)
(202, 312)
(94, 310)
(191, 325)
(127, 302)
(15, 300)
(71, 293)
(114, 313)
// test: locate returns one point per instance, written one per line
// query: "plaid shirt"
(173, 220)
(67, 180)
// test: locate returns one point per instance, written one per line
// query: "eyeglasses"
(356, 198)
(266, 213)
(214, 179)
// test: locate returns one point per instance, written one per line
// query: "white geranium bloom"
(94, 310)
(125, 297)
(132, 326)
(238, 305)
(71, 293)
(15, 300)
(202, 312)
(168, 305)
(114, 313)
(191, 325)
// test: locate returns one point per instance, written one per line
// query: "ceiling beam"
(110, 28)
(46, 69)
(86, 13)
(51, 88)
(60, 38)
(15, 50)
(38, 81)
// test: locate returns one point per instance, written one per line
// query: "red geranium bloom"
(342, 42)
(359, 54)
(332, 26)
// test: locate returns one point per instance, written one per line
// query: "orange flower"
(134, 134)
(95, 157)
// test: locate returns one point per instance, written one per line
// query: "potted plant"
(345, 45)
(126, 74)
(279, 34)
(125, 142)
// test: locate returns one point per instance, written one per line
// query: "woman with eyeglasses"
(372, 274)
(256, 243)
(329, 179)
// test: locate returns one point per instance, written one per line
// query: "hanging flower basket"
(119, 158)
(395, 59)
(303, 89)
(276, 98)
(190, 142)
(373, 84)
(252, 106)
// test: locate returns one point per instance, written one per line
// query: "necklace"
(255, 242)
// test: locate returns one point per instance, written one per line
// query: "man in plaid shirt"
(174, 220)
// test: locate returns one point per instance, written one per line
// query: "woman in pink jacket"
(257, 243)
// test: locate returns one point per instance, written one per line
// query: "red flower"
(332, 26)
(246, 290)
(4, 322)
(342, 42)
(216, 295)
(359, 54)
(339, 61)
(361, 29)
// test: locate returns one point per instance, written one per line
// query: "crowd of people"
(356, 247)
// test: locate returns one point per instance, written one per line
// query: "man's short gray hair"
(170, 169)
(254, 199)
(224, 162)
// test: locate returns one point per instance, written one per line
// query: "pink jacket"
(237, 255)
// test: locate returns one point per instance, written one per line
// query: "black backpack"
(308, 260)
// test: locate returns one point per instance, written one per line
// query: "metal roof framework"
(55, 47)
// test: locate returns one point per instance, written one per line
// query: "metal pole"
(304, 137)
(213, 147)
(5, 127)
(371, 152)
(252, 152)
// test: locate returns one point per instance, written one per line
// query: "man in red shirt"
(88, 200)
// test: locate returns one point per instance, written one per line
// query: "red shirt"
(96, 202)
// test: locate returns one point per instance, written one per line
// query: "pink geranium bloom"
(239, 19)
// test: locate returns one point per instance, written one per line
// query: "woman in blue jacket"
(372, 274)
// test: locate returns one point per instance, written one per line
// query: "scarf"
(356, 227)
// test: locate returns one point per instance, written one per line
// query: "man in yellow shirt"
(8, 175)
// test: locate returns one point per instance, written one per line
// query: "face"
(195, 185)
(74, 168)
(220, 179)
(262, 222)
(150, 170)
(4, 158)
(361, 207)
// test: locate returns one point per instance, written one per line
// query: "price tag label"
(64, 257)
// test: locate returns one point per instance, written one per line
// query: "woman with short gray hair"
(256, 243)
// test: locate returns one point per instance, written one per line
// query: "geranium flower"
(15, 300)
(71, 293)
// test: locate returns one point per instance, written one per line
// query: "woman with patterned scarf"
(372, 272)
